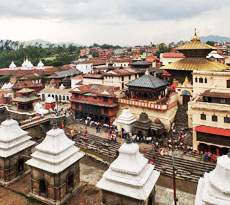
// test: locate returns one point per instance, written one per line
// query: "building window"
(94, 97)
(105, 99)
(122, 78)
(222, 100)
(129, 77)
(106, 110)
(203, 116)
(228, 83)
(205, 80)
(200, 80)
(214, 118)
(227, 119)
(135, 76)
(123, 85)
(196, 79)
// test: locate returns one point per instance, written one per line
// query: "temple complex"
(55, 168)
(142, 125)
(195, 53)
(149, 94)
(130, 179)
(26, 98)
(126, 121)
(214, 187)
(15, 145)
(96, 101)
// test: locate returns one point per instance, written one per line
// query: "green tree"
(211, 43)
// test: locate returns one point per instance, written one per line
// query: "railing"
(172, 102)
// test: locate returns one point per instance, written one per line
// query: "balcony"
(162, 104)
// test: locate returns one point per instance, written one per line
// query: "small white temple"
(13, 140)
(12, 66)
(214, 187)
(126, 121)
(27, 65)
(39, 109)
(129, 179)
(55, 159)
(40, 65)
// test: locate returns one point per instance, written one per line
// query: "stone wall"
(117, 199)
(56, 184)
(9, 167)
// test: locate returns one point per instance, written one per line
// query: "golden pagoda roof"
(195, 43)
(191, 63)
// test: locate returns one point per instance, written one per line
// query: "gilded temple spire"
(195, 38)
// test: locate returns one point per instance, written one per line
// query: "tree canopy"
(51, 55)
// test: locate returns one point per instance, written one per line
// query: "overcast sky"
(124, 22)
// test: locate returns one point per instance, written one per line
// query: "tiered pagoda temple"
(147, 87)
(195, 59)
(130, 179)
(26, 98)
(15, 144)
(214, 187)
(55, 168)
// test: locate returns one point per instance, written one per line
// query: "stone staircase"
(181, 119)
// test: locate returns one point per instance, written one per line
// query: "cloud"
(113, 10)
(124, 22)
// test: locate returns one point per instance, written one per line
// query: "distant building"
(167, 58)
(96, 101)
(119, 77)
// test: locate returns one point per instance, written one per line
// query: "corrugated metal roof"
(147, 81)
(191, 63)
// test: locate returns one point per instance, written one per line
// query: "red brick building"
(96, 101)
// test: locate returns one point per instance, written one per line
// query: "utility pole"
(173, 165)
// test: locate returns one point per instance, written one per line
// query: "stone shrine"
(142, 125)
(15, 144)
(55, 170)
(130, 180)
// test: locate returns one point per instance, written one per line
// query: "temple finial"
(8, 117)
(55, 125)
(195, 38)
(129, 140)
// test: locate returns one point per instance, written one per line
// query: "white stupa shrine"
(126, 121)
(27, 65)
(214, 187)
(55, 159)
(38, 108)
(7, 86)
(129, 178)
(40, 65)
(62, 87)
(13, 140)
(12, 66)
